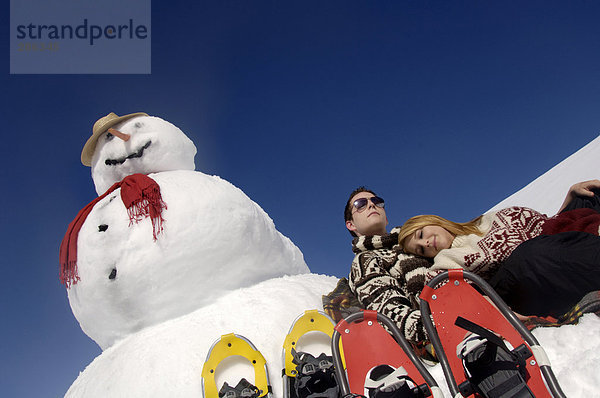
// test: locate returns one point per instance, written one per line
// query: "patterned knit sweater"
(387, 280)
(503, 231)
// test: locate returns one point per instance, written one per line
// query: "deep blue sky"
(440, 107)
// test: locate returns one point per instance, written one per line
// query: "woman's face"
(429, 241)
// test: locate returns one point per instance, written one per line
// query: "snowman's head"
(136, 143)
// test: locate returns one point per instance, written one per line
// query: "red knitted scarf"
(140, 195)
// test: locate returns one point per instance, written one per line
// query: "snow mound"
(166, 360)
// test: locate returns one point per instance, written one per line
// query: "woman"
(539, 265)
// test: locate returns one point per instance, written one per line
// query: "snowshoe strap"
(244, 389)
(483, 332)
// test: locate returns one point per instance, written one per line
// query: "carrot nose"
(117, 133)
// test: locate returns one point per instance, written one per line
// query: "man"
(383, 277)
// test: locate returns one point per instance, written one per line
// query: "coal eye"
(109, 136)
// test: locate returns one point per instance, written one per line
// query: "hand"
(520, 317)
(584, 188)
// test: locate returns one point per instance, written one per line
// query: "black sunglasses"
(361, 204)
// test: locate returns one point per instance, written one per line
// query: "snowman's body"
(215, 239)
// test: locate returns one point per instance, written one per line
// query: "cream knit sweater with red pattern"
(503, 231)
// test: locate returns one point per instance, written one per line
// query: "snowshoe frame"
(228, 345)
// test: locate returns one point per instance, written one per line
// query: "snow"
(221, 267)
(166, 360)
(574, 352)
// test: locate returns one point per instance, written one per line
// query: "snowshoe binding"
(244, 389)
(491, 368)
(383, 381)
(315, 377)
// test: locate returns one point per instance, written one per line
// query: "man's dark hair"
(348, 208)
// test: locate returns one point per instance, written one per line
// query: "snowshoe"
(377, 365)
(304, 375)
(226, 346)
(493, 353)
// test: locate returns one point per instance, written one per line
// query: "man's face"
(369, 220)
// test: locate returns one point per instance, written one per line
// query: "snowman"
(134, 266)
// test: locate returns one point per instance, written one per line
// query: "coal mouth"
(138, 154)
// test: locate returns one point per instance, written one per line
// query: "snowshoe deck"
(455, 307)
(376, 364)
(226, 346)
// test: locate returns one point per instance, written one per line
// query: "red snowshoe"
(484, 349)
(377, 366)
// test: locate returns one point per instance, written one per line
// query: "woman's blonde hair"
(455, 228)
